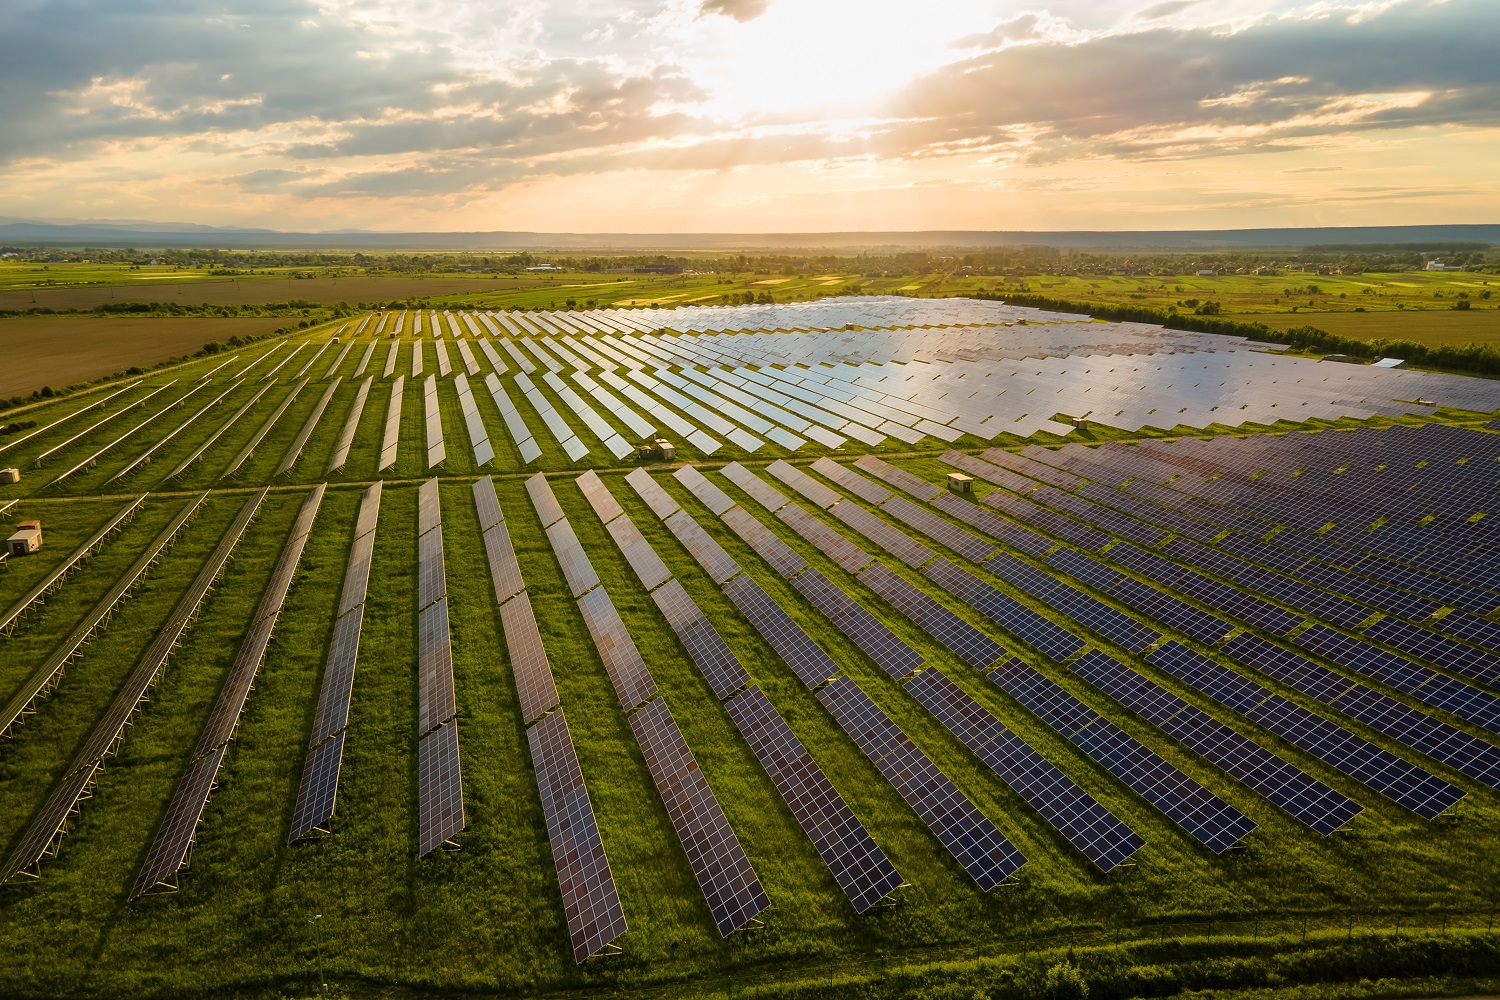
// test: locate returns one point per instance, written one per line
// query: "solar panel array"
(169, 848)
(440, 806)
(70, 562)
(294, 450)
(318, 790)
(265, 428)
(436, 452)
(479, 437)
(351, 425)
(392, 438)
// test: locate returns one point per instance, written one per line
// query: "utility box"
(335, 340)
(8, 476)
(1080, 423)
(659, 450)
(960, 483)
(26, 540)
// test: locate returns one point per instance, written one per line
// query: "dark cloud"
(740, 10)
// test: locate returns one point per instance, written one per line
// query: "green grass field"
(1392, 897)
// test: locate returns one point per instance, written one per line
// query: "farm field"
(1480, 326)
(61, 350)
(1099, 592)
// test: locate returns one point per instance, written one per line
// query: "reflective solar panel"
(577, 569)
(542, 498)
(505, 571)
(715, 499)
(432, 583)
(718, 564)
(730, 886)
(429, 508)
(941, 530)
(435, 695)
(846, 554)
(885, 537)
(338, 676)
(648, 567)
(174, 838)
(599, 496)
(622, 660)
(649, 490)
(1044, 635)
(317, 792)
(851, 481)
(962, 639)
(806, 658)
(528, 659)
(899, 478)
(857, 864)
(782, 557)
(590, 900)
(440, 793)
(803, 483)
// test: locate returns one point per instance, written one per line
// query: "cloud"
(1167, 9)
(740, 10)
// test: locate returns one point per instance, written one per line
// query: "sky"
(658, 116)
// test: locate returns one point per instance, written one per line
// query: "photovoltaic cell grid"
(1045, 636)
(1208, 819)
(973, 840)
(806, 658)
(1072, 812)
(441, 805)
(717, 662)
(759, 490)
(781, 557)
(849, 557)
(622, 660)
(856, 862)
(859, 625)
(168, 852)
(730, 886)
(962, 639)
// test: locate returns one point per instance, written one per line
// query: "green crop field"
(1376, 909)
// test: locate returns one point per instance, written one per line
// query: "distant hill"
(26, 232)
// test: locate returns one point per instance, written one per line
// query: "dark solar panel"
(338, 677)
(1208, 819)
(435, 695)
(486, 504)
(357, 573)
(1033, 468)
(892, 540)
(969, 836)
(590, 901)
(627, 671)
(962, 639)
(1420, 791)
(994, 526)
(429, 507)
(440, 793)
(806, 658)
(47, 826)
(864, 629)
(542, 498)
(707, 493)
(940, 529)
(1438, 649)
(528, 659)
(760, 491)
(804, 484)
(980, 469)
(899, 478)
(846, 554)
(318, 790)
(730, 886)
(231, 701)
(1304, 797)
(857, 864)
(431, 581)
(174, 838)
(599, 496)
(1071, 811)
(1143, 598)
(782, 557)
(1114, 625)
(715, 660)
(718, 564)
(504, 570)
(649, 490)
(638, 552)
(576, 567)
(1069, 530)
(1046, 636)
(852, 481)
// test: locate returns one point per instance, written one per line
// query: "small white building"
(26, 540)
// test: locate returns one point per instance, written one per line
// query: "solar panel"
(1044, 635)
(542, 498)
(622, 660)
(899, 478)
(1301, 795)
(715, 499)
(1114, 625)
(1072, 812)
(392, 439)
(803, 483)
(962, 639)
(897, 543)
(945, 532)
(338, 676)
(715, 660)
(846, 554)
(435, 696)
(174, 837)
(806, 658)
(486, 504)
(782, 557)
(760, 491)
(599, 496)
(730, 886)
(1208, 819)
(864, 629)
(590, 900)
(440, 793)
(969, 836)
(1420, 791)
(429, 508)
(528, 659)
(431, 581)
(649, 490)
(505, 572)
(638, 552)
(851, 481)
(317, 792)
(576, 567)
(718, 564)
(857, 864)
